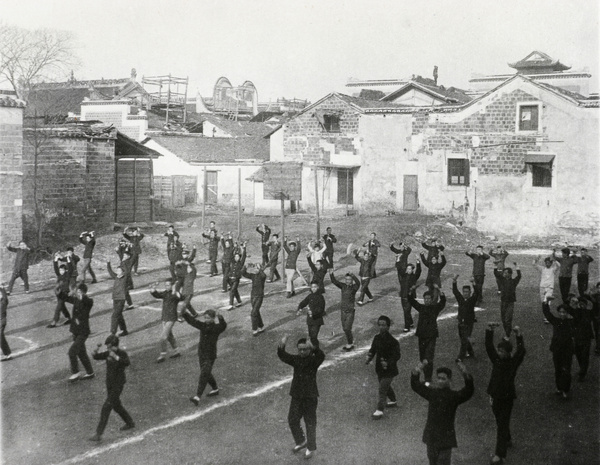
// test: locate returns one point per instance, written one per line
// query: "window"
(331, 123)
(529, 117)
(458, 172)
(541, 174)
(345, 187)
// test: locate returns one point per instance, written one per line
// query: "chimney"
(133, 74)
(435, 75)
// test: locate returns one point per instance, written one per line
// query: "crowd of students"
(575, 324)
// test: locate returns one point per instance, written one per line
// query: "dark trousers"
(265, 254)
(564, 283)
(507, 310)
(313, 334)
(135, 261)
(427, 352)
(206, 376)
(18, 274)
(233, 291)
(304, 407)
(60, 308)
(113, 402)
(172, 270)
(407, 309)
(5, 347)
(478, 285)
(117, 320)
(439, 456)
(187, 303)
(128, 297)
(385, 391)
(226, 267)
(87, 266)
(364, 289)
(256, 302)
(582, 282)
(502, 409)
(347, 323)
(562, 359)
(596, 328)
(212, 256)
(582, 354)
(78, 351)
(464, 333)
(273, 273)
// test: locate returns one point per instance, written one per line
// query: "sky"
(307, 49)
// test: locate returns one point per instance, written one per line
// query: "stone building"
(11, 177)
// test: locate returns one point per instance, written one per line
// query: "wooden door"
(345, 187)
(210, 188)
(134, 190)
(411, 192)
(178, 192)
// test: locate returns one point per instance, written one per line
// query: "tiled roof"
(199, 149)
(539, 60)
(77, 130)
(11, 102)
(450, 95)
(236, 128)
(368, 104)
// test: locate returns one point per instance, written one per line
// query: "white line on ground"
(31, 346)
(335, 360)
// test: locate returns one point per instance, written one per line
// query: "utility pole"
(317, 203)
(239, 203)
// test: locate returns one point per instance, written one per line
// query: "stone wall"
(11, 180)
(75, 181)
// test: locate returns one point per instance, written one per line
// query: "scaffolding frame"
(169, 94)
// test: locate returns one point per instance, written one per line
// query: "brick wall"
(76, 181)
(495, 125)
(11, 178)
(304, 136)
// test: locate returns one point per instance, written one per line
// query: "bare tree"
(28, 57)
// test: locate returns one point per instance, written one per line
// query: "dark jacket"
(71, 263)
(439, 429)
(120, 285)
(304, 381)
(427, 326)
(136, 247)
(329, 240)
(408, 280)
(466, 307)
(348, 292)
(188, 280)
(213, 244)
(562, 331)
(292, 255)
(372, 246)
(582, 323)
(434, 270)
(22, 258)
(566, 265)
(401, 256)
(508, 286)
(209, 334)
(499, 258)
(265, 235)
(274, 249)
(366, 266)
(174, 251)
(80, 319)
(89, 245)
(258, 282)
(432, 250)
(171, 238)
(115, 369)
(583, 264)
(478, 262)
(235, 270)
(62, 281)
(228, 252)
(318, 275)
(504, 371)
(316, 303)
(385, 347)
(169, 305)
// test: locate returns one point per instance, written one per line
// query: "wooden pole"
(347, 188)
(239, 203)
(282, 236)
(204, 189)
(317, 204)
